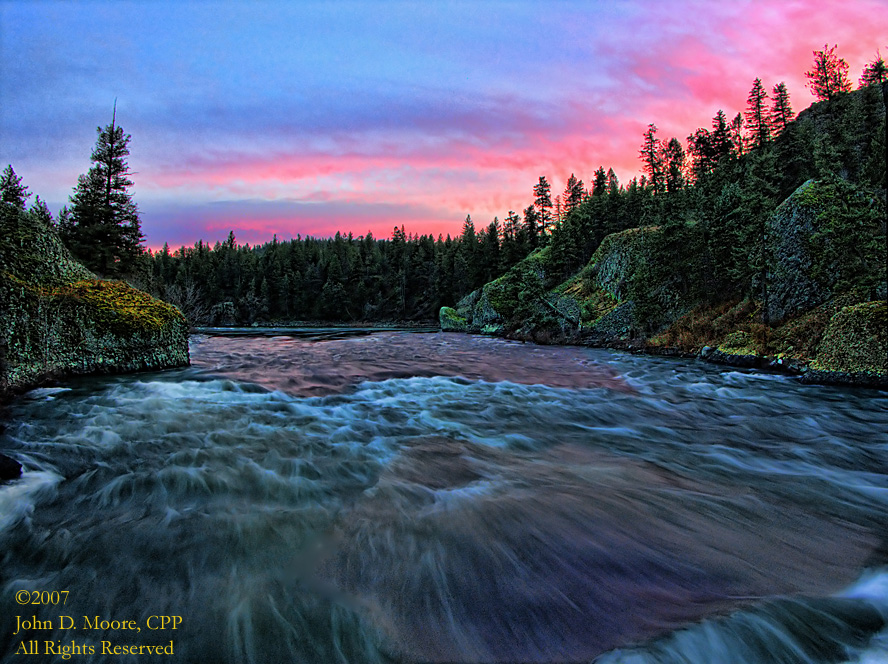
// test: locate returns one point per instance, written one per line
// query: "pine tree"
(613, 184)
(511, 226)
(874, 72)
(781, 111)
(651, 155)
(532, 226)
(700, 151)
(573, 193)
(542, 192)
(674, 162)
(106, 233)
(829, 76)
(468, 232)
(757, 118)
(736, 129)
(40, 212)
(720, 139)
(599, 183)
(12, 191)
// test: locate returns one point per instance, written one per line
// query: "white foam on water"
(45, 393)
(872, 585)
(18, 497)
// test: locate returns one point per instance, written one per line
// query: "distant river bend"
(439, 497)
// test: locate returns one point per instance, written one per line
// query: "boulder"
(58, 319)
(635, 267)
(821, 241)
(792, 287)
(737, 350)
(451, 321)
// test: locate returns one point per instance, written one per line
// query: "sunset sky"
(312, 117)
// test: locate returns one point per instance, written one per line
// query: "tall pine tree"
(12, 191)
(573, 193)
(652, 155)
(542, 192)
(106, 233)
(757, 117)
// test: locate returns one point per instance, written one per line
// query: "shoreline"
(792, 367)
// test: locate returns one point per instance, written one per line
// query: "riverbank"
(737, 349)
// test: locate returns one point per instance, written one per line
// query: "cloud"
(416, 115)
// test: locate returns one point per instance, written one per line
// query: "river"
(402, 497)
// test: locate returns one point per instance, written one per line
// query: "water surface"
(442, 497)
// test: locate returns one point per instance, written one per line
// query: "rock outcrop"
(451, 321)
(622, 292)
(58, 319)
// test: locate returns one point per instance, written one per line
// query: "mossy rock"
(617, 258)
(57, 319)
(823, 240)
(120, 307)
(593, 302)
(740, 343)
(617, 323)
(856, 341)
(485, 313)
(465, 306)
(451, 321)
(91, 326)
(638, 265)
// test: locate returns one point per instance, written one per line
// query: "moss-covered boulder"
(58, 319)
(822, 240)
(636, 268)
(451, 321)
(597, 311)
(515, 298)
(854, 348)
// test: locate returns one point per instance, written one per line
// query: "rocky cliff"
(58, 319)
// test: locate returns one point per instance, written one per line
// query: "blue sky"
(308, 118)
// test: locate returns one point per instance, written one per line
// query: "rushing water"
(437, 498)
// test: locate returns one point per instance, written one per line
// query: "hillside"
(775, 258)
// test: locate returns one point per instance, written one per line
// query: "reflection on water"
(307, 368)
(432, 497)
